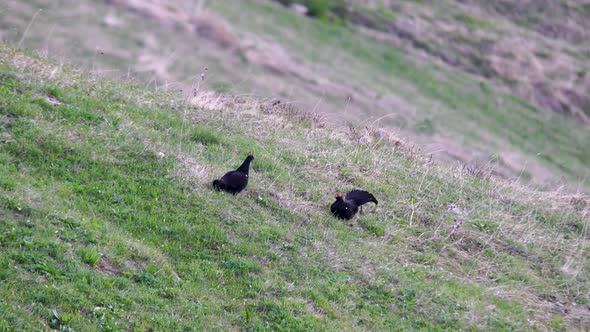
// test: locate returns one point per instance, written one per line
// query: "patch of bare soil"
(105, 266)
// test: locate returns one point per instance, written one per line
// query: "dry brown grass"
(199, 20)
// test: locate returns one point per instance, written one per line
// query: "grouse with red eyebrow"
(346, 208)
(234, 182)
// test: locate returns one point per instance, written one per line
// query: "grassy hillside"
(107, 221)
(538, 50)
(461, 79)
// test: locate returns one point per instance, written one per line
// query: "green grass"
(107, 222)
(474, 22)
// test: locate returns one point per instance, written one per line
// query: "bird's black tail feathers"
(360, 197)
(218, 185)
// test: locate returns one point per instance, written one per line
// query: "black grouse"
(347, 207)
(235, 181)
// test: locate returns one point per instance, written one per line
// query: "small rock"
(298, 9)
(454, 209)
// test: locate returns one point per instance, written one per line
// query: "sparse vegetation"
(106, 221)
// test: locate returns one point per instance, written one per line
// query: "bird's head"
(250, 156)
(338, 195)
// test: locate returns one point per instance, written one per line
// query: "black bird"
(234, 181)
(347, 207)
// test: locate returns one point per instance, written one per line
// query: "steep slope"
(107, 221)
(446, 75)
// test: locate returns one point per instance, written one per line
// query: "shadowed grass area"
(107, 221)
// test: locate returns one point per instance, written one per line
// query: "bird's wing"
(360, 197)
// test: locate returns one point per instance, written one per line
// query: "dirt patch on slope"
(105, 266)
